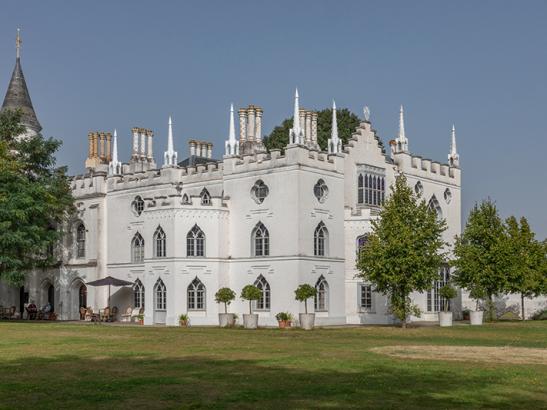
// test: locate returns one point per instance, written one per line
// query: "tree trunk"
(225, 308)
(306, 306)
(250, 308)
(522, 305)
(491, 315)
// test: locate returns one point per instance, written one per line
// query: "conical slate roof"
(18, 96)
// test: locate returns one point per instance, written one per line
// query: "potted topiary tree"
(284, 319)
(445, 317)
(250, 293)
(184, 319)
(302, 294)
(225, 295)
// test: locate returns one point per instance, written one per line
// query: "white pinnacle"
(453, 149)
(295, 134)
(401, 124)
(232, 146)
(334, 142)
(115, 166)
(170, 156)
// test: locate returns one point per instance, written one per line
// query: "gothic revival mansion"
(183, 228)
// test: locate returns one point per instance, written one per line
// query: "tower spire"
(335, 145)
(401, 124)
(115, 166)
(18, 97)
(170, 156)
(295, 134)
(231, 145)
(453, 157)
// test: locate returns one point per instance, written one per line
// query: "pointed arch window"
(196, 295)
(185, 199)
(320, 240)
(159, 243)
(360, 242)
(260, 240)
(80, 241)
(137, 249)
(138, 294)
(447, 195)
(160, 293)
(321, 301)
(264, 302)
(419, 188)
(435, 207)
(371, 186)
(435, 301)
(195, 242)
(205, 197)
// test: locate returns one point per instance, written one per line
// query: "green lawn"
(56, 365)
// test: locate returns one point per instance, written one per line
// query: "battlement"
(426, 168)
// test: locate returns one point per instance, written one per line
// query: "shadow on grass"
(197, 382)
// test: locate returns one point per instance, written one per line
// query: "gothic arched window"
(80, 241)
(137, 205)
(320, 190)
(260, 240)
(264, 302)
(259, 191)
(320, 240)
(160, 293)
(185, 199)
(371, 186)
(419, 188)
(138, 294)
(196, 295)
(137, 248)
(321, 301)
(435, 207)
(205, 197)
(195, 242)
(447, 195)
(361, 241)
(435, 301)
(159, 243)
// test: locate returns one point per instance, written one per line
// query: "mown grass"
(56, 365)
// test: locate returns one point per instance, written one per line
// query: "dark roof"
(195, 160)
(18, 96)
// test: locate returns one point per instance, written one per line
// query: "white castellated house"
(180, 230)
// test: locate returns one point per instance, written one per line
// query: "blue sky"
(481, 65)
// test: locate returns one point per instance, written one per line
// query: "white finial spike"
(170, 156)
(295, 134)
(334, 142)
(232, 146)
(453, 157)
(115, 166)
(18, 43)
(401, 123)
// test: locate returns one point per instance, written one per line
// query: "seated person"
(32, 310)
(46, 310)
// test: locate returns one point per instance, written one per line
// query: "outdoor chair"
(114, 314)
(126, 317)
(105, 316)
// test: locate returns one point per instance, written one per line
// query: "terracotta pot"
(183, 323)
(283, 324)
(141, 321)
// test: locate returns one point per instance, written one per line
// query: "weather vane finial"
(18, 42)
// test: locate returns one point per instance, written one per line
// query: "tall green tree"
(527, 273)
(347, 122)
(482, 255)
(405, 250)
(35, 199)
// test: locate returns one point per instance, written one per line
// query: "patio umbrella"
(110, 281)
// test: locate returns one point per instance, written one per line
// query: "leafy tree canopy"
(347, 122)
(527, 273)
(404, 252)
(35, 198)
(482, 254)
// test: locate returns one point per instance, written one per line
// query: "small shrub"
(284, 317)
(448, 293)
(540, 315)
(184, 317)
